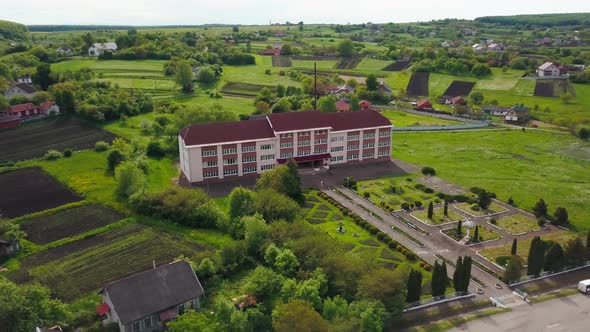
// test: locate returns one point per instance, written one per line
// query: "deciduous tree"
(513, 269)
(297, 316)
(129, 178)
(184, 76)
(371, 82)
(346, 48)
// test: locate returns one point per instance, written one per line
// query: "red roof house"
(342, 106)
(424, 104)
(365, 105)
(458, 100)
(23, 110)
(271, 51)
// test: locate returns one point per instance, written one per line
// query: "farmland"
(30, 190)
(282, 61)
(82, 266)
(524, 165)
(245, 89)
(459, 88)
(418, 85)
(67, 223)
(34, 139)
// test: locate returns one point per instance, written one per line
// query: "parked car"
(584, 286)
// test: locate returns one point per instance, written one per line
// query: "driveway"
(570, 313)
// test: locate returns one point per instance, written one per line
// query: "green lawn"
(368, 64)
(404, 119)
(484, 233)
(523, 165)
(523, 246)
(111, 66)
(438, 216)
(405, 192)
(492, 209)
(517, 224)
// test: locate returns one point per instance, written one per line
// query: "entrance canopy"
(304, 159)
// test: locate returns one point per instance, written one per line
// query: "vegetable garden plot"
(282, 61)
(348, 63)
(397, 66)
(418, 85)
(68, 223)
(29, 190)
(459, 88)
(544, 89)
(245, 89)
(34, 140)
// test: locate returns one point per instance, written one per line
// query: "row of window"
(339, 158)
(337, 139)
(368, 154)
(384, 134)
(353, 137)
(337, 149)
(233, 161)
(228, 172)
(383, 153)
(352, 147)
(368, 135)
(303, 143)
(383, 143)
(267, 157)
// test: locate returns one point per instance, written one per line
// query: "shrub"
(155, 149)
(406, 206)
(428, 190)
(428, 171)
(373, 230)
(381, 236)
(399, 248)
(419, 186)
(417, 204)
(410, 255)
(474, 207)
(53, 155)
(441, 196)
(422, 264)
(392, 245)
(67, 153)
(267, 72)
(367, 194)
(427, 267)
(493, 221)
(114, 158)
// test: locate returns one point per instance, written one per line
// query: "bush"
(367, 194)
(373, 230)
(267, 72)
(419, 186)
(417, 204)
(114, 158)
(392, 245)
(429, 190)
(406, 206)
(381, 236)
(67, 153)
(410, 255)
(428, 171)
(53, 155)
(493, 221)
(427, 267)
(474, 207)
(154, 149)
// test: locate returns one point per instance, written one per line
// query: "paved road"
(570, 313)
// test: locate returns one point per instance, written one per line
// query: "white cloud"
(160, 12)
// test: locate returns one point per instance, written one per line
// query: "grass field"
(484, 233)
(438, 216)
(82, 266)
(404, 119)
(492, 209)
(517, 224)
(368, 64)
(523, 246)
(524, 165)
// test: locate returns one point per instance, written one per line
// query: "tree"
(206, 268)
(536, 257)
(284, 179)
(114, 158)
(235, 29)
(262, 283)
(540, 208)
(3, 102)
(184, 76)
(129, 178)
(460, 229)
(484, 199)
(297, 316)
(205, 75)
(256, 232)
(24, 307)
(444, 275)
(354, 103)
(371, 82)
(584, 133)
(43, 76)
(555, 258)
(428, 171)
(296, 192)
(370, 286)
(262, 107)
(481, 69)
(241, 203)
(575, 252)
(458, 275)
(513, 269)
(430, 210)
(477, 98)
(327, 104)
(286, 263)
(446, 208)
(438, 283)
(286, 49)
(275, 206)
(414, 286)
(476, 234)
(466, 270)
(190, 320)
(514, 244)
(345, 48)
(560, 217)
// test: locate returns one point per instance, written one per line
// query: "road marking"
(553, 325)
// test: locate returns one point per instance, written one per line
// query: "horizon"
(261, 13)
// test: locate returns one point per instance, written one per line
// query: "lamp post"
(321, 185)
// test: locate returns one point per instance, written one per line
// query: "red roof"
(46, 105)
(457, 100)
(291, 121)
(103, 309)
(211, 133)
(365, 104)
(342, 106)
(271, 51)
(21, 108)
(424, 103)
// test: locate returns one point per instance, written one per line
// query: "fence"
(438, 300)
(547, 274)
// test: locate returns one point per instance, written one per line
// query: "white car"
(584, 286)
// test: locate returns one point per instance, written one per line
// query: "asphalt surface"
(570, 313)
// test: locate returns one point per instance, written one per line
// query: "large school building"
(217, 151)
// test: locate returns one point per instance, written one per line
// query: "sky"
(251, 12)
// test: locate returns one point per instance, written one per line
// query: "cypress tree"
(536, 258)
(446, 209)
(476, 234)
(540, 209)
(513, 269)
(555, 258)
(458, 275)
(466, 270)
(438, 287)
(513, 250)
(459, 230)
(414, 286)
(430, 210)
(444, 275)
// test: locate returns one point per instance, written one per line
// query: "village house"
(458, 100)
(495, 48)
(495, 110)
(64, 51)
(365, 105)
(517, 115)
(216, 152)
(446, 44)
(29, 110)
(8, 248)
(384, 89)
(147, 300)
(342, 106)
(98, 49)
(423, 105)
(20, 89)
(551, 70)
(345, 90)
(25, 79)
(271, 51)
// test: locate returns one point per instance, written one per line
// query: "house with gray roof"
(147, 300)
(20, 89)
(97, 49)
